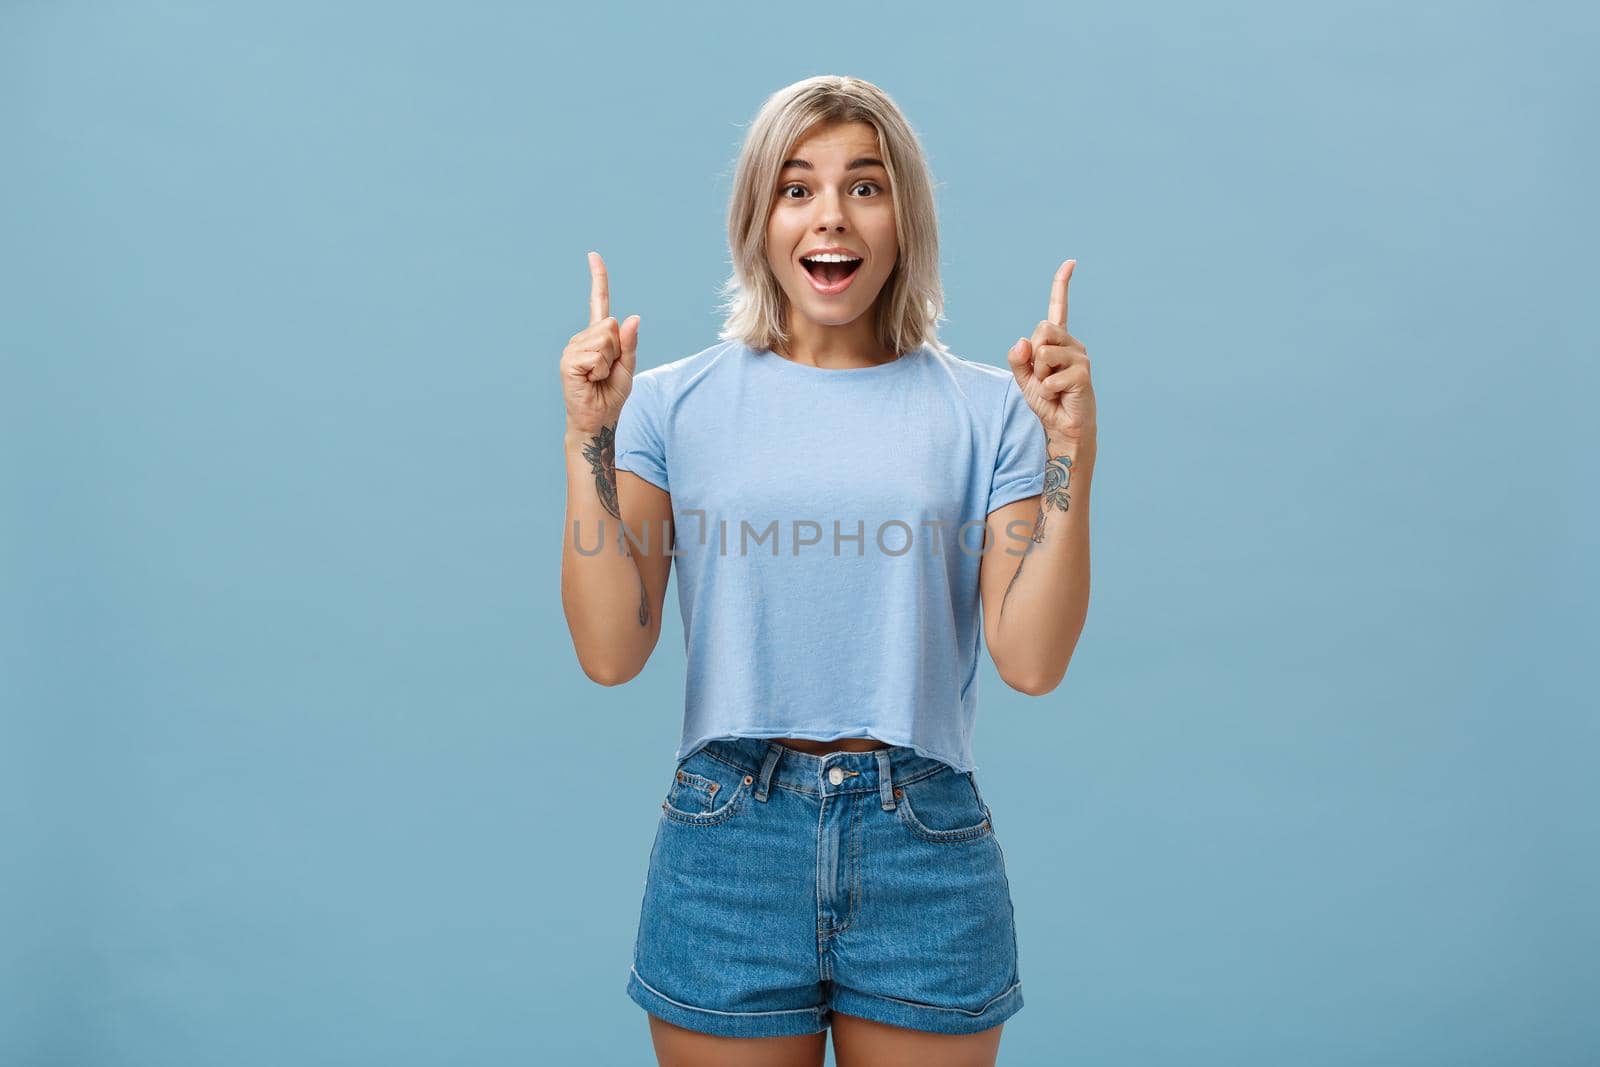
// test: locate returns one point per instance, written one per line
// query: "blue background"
(297, 762)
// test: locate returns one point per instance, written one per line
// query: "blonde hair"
(911, 303)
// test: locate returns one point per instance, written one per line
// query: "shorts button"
(836, 776)
(748, 779)
(899, 792)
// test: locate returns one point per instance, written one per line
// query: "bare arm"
(612, 584)
(1035, 605)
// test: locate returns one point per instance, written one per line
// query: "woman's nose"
(830, 213)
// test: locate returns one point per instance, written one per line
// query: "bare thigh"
(680, 1047)
(859, 1042)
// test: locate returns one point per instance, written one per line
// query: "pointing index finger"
(599, 289)
(1058, 293)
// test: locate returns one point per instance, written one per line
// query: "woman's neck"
(834, 347)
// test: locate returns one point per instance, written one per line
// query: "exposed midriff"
(838, 744)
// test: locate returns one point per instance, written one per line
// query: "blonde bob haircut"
(911, 303)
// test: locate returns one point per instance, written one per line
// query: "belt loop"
(774, 750)
(885, 780)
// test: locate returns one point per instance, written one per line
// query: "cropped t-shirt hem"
(900, 740)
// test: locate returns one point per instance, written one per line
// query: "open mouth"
(830, 274)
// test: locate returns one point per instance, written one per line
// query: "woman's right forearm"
(602, 592)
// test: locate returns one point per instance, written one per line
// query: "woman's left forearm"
(1045, 606)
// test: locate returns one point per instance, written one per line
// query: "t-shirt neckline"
(766, 355)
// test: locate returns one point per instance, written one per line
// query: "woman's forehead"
(838, 136)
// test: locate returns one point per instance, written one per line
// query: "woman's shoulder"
(672, 376)
(984, 383)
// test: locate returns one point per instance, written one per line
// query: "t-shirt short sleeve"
(640, 442)
(1019, 462)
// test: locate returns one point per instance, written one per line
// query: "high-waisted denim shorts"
(784, 885)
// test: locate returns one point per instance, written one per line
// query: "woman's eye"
(797, 185)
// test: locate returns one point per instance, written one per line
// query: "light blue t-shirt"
(827, 586)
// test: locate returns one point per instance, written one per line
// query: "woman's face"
(833, 192)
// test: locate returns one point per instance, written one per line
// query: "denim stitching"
(855, 875)
(714, 1011)
(855, 880)
(735, 765)
(708, 818)
(699, 783)
(822, 931)
(939, 837)
(1016, 956)
(939, 1007)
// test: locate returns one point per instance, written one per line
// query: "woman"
(823, 854)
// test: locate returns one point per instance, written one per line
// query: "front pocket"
(710, 793)
(692, 794)
(943, 808)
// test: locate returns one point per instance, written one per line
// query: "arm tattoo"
(1057, 473)
(1038, 527)
(601, 454)
(1018, 572)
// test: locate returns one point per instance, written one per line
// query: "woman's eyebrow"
(855, 164)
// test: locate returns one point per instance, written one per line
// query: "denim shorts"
(783, 885)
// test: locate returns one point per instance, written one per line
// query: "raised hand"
(1052, 370)
(597, 364)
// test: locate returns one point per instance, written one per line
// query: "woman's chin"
(830, 318)
(825, 312)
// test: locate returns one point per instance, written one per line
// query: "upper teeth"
(832, 257)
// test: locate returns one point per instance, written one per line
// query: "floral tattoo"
(1057, 474)
(601, 453)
